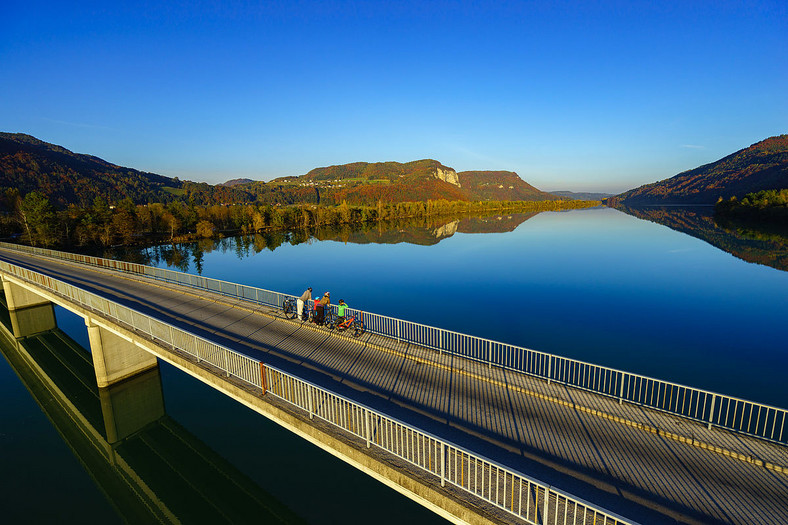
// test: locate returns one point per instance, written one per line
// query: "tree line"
(34, 220)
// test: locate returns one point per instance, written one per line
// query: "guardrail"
(508, 490)
(713, 409)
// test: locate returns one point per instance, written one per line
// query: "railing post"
(546, 501)
(226, 363)
(549, 369)
(443, 464)
(309, 401)
(711, 411)
(440, 340)
(621, 390)
(366, 422)
(489, 354)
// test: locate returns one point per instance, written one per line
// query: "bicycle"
(329, 318)
(289, 307)
(356, 323)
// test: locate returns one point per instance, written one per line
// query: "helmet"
(328, 293)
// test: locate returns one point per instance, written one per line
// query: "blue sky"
(600, 96)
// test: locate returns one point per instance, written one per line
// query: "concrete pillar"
(131, 405)
(18, 297)
(115, 358)
(32, 320)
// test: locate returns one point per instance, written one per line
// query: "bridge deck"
(642, 464)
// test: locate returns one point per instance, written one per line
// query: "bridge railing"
(739, 415)
(504, 488)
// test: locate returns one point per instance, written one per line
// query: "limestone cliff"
(447, 175)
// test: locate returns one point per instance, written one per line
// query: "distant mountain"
(65, 177)
(582, 196)
(28, 164)
(420, 180)
(762, 166)
(235, 182)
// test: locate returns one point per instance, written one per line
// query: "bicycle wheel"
(358, 328)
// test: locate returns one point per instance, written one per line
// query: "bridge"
(476, 430)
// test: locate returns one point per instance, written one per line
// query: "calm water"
(597, 285)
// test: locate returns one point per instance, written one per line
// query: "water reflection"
(150, 468)
(751, 242)
(424, 231)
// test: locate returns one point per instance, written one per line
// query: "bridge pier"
(30, 313)
(131, 405)
(114, 357)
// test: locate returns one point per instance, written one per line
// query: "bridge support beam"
(30, 313)
(130, 406)
(18, 297)
(114, 357)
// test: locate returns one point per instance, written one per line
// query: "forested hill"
(365, 183)
(28, 164)
(65, 177)
(500, 185)
(762, 166)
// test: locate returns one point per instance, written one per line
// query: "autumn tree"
(205, 229)
(38, 218)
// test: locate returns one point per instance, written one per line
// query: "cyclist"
(306, 296)
(320, 306)
(341, 307)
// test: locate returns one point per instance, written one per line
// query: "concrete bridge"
(478, 431)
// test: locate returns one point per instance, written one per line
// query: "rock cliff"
(447, 175)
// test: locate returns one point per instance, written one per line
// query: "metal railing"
(508, 490)
(713, 409)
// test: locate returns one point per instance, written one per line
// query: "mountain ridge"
(761, 166)
(64, 177)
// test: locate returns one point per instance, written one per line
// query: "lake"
(654, 296)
